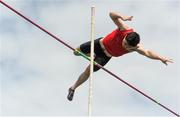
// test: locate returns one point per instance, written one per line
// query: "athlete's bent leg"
(82, 78)
(76, 52)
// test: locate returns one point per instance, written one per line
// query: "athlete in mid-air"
(120, 41)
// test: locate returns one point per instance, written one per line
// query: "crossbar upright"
(91, 61)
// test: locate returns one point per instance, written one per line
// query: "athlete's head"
(133, 39)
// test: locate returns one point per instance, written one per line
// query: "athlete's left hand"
(166, 61)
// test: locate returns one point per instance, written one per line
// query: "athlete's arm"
(119, 18)
(152, 55)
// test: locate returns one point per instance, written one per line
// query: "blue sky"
(36, 70)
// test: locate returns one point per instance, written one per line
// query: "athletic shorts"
(100, 56)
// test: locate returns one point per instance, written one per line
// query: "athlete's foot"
(70, 94)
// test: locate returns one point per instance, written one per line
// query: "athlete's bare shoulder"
(140, 49)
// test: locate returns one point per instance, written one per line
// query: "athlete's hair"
(133, 39)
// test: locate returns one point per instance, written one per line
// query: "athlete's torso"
(113, 42)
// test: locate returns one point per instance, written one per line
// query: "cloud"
(37, 70)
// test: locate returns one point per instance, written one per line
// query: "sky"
(36, 70)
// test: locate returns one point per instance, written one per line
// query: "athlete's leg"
(77, 50)
(85, 48)
(82, 78)
(76, 53)
(101, 59)
(85, 75)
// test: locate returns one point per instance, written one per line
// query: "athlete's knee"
(95, 69)
(87, 71)
(77, 51)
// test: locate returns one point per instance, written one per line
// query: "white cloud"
(37, 70)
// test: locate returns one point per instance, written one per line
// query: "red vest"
(113, 42)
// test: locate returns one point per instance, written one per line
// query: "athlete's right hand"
(127, 18)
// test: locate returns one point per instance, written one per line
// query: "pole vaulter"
(88, 58)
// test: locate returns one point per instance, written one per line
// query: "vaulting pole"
(83, 55)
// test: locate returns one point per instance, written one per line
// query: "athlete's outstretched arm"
(119, 18)
(153, 55)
